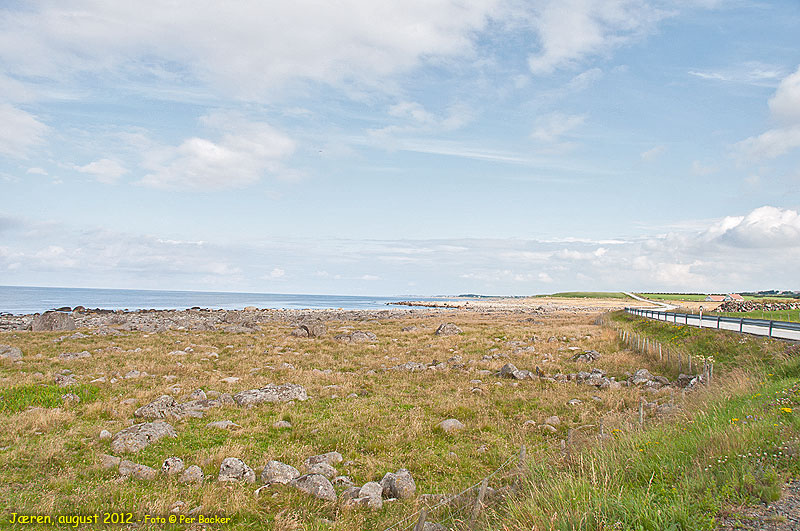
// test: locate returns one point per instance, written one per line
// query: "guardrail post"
(741, 324)
(718, 322)
(770, 328)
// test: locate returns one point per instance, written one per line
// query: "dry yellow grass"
(50, 455)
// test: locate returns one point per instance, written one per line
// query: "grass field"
(589, 295)
(728, 447)
(50, 449)
(673, 296)
(790, 315)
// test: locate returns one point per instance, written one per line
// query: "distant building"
(716, 298)
(734, 297)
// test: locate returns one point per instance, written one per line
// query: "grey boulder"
(51, 321)
(315, 485)
(448, 329)
(234, 469)
(277, 472)
(271, 393)
(139, 436)
(10, 353)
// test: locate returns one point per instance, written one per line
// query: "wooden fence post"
(423, 515)
(476, 510)
(641, 411)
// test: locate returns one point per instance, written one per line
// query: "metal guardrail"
(759, 327)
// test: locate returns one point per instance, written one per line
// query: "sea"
(25, 300)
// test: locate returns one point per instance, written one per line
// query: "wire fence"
(669, 357)
(462, 510)
(461, 503)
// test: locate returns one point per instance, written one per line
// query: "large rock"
(172, 466)
(234, 469)
(193, 474)
(357, 337)
(641, 377)
(367, 496)
(451, 425)
(50, 321)
(447, 329)
(74, 355)
(163, 407)
(271, 393)
(277, 472)
(510, 371)
(398, 485)
(315, 485)
(330, 458)
(310, 329)
(139, 436)
(131, 469)
(323, 469)
(10, 353)
(587, 356)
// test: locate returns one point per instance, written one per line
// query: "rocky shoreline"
(246, 320)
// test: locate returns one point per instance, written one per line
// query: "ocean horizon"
(19, 300)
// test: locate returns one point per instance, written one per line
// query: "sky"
(375, 147)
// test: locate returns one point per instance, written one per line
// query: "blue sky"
(414, 147)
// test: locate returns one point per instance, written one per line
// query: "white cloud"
(770, 144)
(105, 170)
(570, 30)
(250, 48)
(36, 171)
(785, 109)
(764, 227)
(277, 273)
(551, 127)
(19, 131)
(413, 117)
(750, 73)
(785, 104)
(245, 152)
(653, 153)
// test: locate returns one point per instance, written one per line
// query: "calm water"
(21, 300)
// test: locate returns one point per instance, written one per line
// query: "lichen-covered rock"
(234, 469)
(50, 321)
(399, 484)
(510, 371)
(323, 469)
(75, 355)
(277, 472)
(138, 436)
(451, 425)
(172, 466)
(109, 461)
(271, 393)
(331, 458)
(10, 353)
(193, 474)
(310, 329)
(223, 425)
(131, 469)
(448, 329)
(163, 407)
(315, 485)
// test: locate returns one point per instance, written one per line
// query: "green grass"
(45, 396)
(589, 295)
(789, 315)
(737, 448)
(674, 296)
